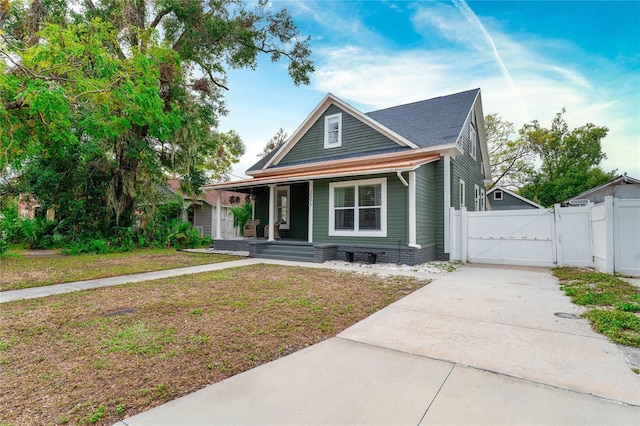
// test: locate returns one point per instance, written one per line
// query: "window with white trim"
(461, 192)
(476, 197)
(358, 208)
(483, 206)
(472, 141)
(333, 131)
(497, 195)
(282, 206)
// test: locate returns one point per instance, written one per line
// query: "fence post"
(463, 234)
(609, 226)
(556, 236)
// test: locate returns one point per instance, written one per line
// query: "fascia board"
(440, 149)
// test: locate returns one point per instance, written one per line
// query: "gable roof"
(513, 194)
(424, 124)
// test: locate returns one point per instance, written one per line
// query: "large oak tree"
(99, 100)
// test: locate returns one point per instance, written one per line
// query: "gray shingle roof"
(431, 122)
(426, 123)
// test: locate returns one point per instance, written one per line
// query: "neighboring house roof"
(425, 127)
(208, 196)
(590, 194)
(513, 194)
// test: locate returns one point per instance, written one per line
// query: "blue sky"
(530, 59)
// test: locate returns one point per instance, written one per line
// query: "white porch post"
(272, 213)
(412, 211)
(447, 199)
(218, 214)
(310, 227)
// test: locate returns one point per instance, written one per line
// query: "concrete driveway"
(481, 345)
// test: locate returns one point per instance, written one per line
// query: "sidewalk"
(35, 292)
(480, 345)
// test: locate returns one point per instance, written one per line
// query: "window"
(482, 202)
(333, 130)
(461, 193)
(358, 208)
(497, 195)
(476, 197)
(472, 141)
(282, 206)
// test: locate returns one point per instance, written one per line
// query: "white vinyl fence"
(605, 236)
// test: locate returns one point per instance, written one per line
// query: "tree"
(511, 159)
(569, 160)
(121, 92)
(274, 143)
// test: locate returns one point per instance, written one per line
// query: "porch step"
(298, 252)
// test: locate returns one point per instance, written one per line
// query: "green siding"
(357, 137)
(397, 203)
(464, 167)
(298, 216)
(438, 206)
(425, 204)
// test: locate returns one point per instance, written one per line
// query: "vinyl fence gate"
(605, 236)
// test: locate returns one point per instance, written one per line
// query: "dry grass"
(40, 268)
(102, 355)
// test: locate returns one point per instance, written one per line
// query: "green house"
(376, 185)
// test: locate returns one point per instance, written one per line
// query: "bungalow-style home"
(200, 210)
(499, 198)
(622, 187)
(376, 186)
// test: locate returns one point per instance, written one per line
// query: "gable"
(434, 125)
(356, 138)
(510, 200)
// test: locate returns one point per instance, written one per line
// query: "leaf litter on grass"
(109, 353)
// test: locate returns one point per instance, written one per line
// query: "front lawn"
(24, 270)
(613, 304)
(98, 356)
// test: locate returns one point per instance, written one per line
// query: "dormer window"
(333, 131)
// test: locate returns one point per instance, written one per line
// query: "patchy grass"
(614, 304)
(36, 269)
(98, 356)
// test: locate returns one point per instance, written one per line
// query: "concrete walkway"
(44, 291)
(481, 345)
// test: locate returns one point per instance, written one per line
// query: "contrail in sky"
(464, 8)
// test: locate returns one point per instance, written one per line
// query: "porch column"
(310, 230)
(412, 211)
(218, 215)
(272, 213)
(447, 199)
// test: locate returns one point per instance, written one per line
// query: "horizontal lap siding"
(397, 214)
(438, 207)
(508, 202)
(425, 204)
(357, 137)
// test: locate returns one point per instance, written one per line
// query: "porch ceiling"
(330, 171)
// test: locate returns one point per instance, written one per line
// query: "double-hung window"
(473, 141)
(476, 197)
(358, 208)
(333, 131)
(461, 194)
